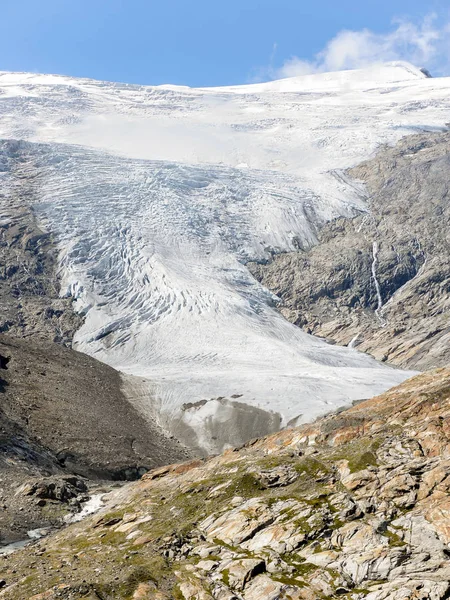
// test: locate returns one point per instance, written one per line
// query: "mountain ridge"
(396, 67)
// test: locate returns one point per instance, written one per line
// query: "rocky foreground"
(356, 505)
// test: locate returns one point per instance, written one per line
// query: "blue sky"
(208, 42)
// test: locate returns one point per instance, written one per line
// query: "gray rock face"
(29, 288)
(380, 281)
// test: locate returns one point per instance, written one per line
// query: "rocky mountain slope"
(30, 300)
(380, 282)
(355, 505)
(63, 414)
(76, 408)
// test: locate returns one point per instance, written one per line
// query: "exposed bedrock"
(30, 302)
(380, 281)
(355, 505)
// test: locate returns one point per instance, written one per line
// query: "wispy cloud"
(425, 44)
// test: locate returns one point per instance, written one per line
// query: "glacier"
(158, 196)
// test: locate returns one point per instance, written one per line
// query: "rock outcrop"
(355, 505)
(29, 287)
(381, 281)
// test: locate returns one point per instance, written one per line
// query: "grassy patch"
(301, 566)
(141, 574)
(394, 539)
(360, 454)
(246, 485)
(310, 467)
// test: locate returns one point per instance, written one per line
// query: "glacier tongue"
(159, 196)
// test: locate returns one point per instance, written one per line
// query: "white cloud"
(426, 44)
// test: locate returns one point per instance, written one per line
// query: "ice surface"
(160, 195)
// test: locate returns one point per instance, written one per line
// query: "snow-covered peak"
(376, 75)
